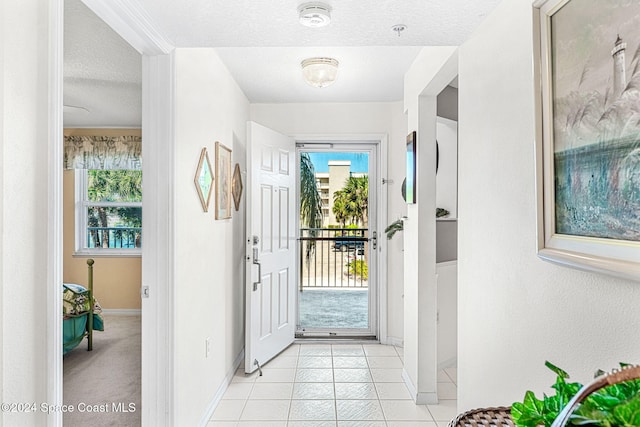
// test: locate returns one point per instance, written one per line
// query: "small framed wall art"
(223, 182)
(204, 179)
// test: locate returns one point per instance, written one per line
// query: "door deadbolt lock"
(256, 261)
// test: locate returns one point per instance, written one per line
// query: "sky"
(359, 161)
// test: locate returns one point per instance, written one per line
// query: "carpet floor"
(103, 385)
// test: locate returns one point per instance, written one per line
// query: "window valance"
(103, 152)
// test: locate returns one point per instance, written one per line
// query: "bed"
(80, 313)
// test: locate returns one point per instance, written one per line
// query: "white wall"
(209, 270)
(516, 311)
(327, 118)
(446, 236)
(364, 118)
(448, 103)
(447, 175)
(431, 72)
(24, 140)
(396, 209)
(447, 313)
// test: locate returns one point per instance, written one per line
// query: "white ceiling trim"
(129, 20)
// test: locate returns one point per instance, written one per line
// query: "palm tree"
(352, 202)
(113, 186)
(310, 200)
(340, 210)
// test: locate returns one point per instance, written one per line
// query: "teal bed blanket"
(75, 311)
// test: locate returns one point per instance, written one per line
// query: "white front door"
(271, 245)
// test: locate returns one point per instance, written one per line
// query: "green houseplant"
(393, 228)
(615, 405)
(398, 224)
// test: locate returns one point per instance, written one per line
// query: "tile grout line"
(293, 387)
(384, 416)
(333, 375)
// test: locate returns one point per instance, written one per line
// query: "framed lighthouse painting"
(588, 134)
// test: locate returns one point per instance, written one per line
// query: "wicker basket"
(490, 417)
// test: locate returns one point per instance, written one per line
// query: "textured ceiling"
(102, 73)
(262, 43)
(365, 74)
(254, 23)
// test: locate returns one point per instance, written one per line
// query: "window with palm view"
(109, 211)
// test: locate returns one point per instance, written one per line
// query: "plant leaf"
(529, 413)
(599, 373)
(559, 372)
(628, 414)
(565, 391)
(617, 405)
(605, 401)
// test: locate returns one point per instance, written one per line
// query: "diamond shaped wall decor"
(204, 179)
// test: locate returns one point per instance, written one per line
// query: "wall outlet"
(207, 347)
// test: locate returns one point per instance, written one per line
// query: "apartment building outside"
(330, 182)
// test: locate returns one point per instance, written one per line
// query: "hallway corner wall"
(209, 253)
(516, 310)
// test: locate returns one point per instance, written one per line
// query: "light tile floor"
(339, 385)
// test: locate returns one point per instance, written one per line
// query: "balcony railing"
(334, 258)
(114, 237)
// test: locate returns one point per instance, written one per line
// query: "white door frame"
(372, 149)
(132, 24)
(381, 140)
(54, 209)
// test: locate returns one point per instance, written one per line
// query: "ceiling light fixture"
(320, 72)
(314, 14)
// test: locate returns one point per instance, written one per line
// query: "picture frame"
(203, 179)
(410, 184)
(237, 187)
(223, 181)
(587, 144)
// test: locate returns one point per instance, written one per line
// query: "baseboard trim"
(407, 381)
(429, 398)
(394, 341)
(221, 389)
(122, 311)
